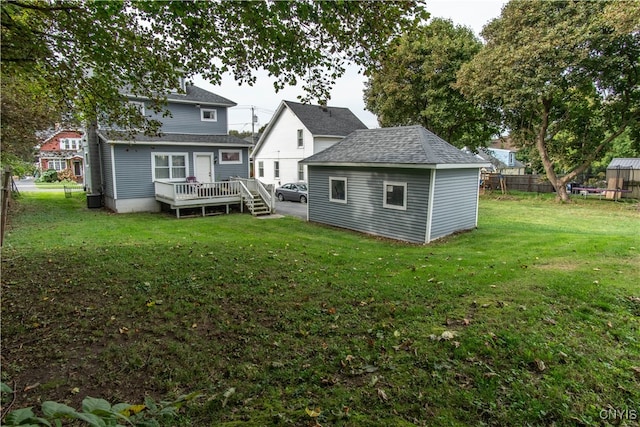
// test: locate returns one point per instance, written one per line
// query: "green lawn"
(532, 319)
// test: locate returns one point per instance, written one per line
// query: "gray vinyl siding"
(455, 201)
(107, 162)
(135, 177)
(185, 118)
(364, 209)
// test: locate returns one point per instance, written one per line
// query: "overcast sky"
(348, 91)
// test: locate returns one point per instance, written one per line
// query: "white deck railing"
(183, 191)
(257, 186)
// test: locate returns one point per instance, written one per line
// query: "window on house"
(395, 195)
(300, 172)
(208, 115)
(231, 157)
(276, 169)
(57, 164)
(300, 139)
(70, 144)
(260, 169)
(169, 166)
(338, 190)
(138, 105)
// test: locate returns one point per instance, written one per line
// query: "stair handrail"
(267, 196)
(246, 194)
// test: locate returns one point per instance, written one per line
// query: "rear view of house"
(134, 172)
(297, 131)
(404, 183)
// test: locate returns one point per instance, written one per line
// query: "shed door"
(204, 168)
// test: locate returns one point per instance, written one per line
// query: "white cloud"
(348, 90)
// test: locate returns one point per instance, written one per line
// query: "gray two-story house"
(192, 163)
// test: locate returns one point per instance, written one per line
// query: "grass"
(58, 185)
(532, 319)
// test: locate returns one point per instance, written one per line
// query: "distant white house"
(297, 131)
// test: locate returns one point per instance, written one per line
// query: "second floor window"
(208, 115)
(70, 144)
(300, 139)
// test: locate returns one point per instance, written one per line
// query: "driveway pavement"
(292, 209)
(29, 184)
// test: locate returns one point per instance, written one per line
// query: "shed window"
(338, 189)
(208, 115)
(395, 195)
(171, 166)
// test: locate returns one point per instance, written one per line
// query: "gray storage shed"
(403, 183)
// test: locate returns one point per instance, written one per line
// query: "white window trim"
(336, 178)
(140, 105)
(229, 162)
(211, 110)
(300, 172)
(300, 138)
(170, 179)
(260, 169)
(276, 170)
(404, 195)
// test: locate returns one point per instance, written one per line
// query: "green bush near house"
(532, 319)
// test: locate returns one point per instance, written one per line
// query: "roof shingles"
(325, 120)
(407, 145)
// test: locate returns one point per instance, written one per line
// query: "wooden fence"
(530, 183)
(5, 197)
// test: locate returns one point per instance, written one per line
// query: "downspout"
(432, 191)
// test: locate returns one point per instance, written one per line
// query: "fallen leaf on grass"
(313, 413)
(382, 395)
(31, 387)
(540, 366)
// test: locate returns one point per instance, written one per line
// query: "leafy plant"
(50, 175)
(96, 412)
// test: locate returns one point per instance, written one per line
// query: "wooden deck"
(238, 191)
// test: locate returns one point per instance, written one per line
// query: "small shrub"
(50, 175)
(96, 412)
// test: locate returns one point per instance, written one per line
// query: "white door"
(204, 168)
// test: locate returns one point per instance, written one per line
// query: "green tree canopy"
(565, 77)
(413, 84)
(87, 51)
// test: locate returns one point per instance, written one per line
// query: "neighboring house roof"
(319, 120)
(325, 120)
(504, 142)
(194, 95)
(407, 146)
(497, 164)
(620, 162)
(119, 137)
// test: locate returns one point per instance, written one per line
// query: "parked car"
(293, 192)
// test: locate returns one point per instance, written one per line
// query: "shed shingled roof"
(407, 145)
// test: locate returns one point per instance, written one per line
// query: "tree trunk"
(558, 183)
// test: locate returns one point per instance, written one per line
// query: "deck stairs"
(257, 206)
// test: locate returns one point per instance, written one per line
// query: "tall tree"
(413, 84)
(86, 51)
(565, 76)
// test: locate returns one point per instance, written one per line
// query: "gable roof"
(406, 146)
(319, 120)
(194, 95)
(325, 120)
(120, 137)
